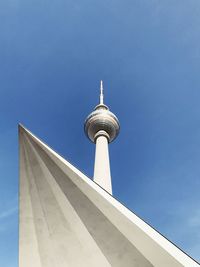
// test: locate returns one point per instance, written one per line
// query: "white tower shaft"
(102, 174)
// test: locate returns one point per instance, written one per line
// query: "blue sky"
(53, 55)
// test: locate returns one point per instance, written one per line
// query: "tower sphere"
(101, 122)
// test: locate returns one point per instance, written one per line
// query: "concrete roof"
(65, 219)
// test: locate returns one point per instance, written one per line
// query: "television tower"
(102, 127)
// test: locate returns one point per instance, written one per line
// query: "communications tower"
(102, 127)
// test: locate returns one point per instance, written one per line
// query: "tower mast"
(101, 93)
(102, 127)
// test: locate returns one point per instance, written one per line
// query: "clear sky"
(53, 55)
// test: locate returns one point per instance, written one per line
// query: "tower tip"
(101, 92)
(101, 85)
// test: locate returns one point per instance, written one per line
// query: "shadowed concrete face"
(64, 221)
(115, 247)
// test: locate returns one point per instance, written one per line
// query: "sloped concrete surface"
(67, 220)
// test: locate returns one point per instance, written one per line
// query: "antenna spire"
(101, 93)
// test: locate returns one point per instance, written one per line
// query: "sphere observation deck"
(101, 122)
